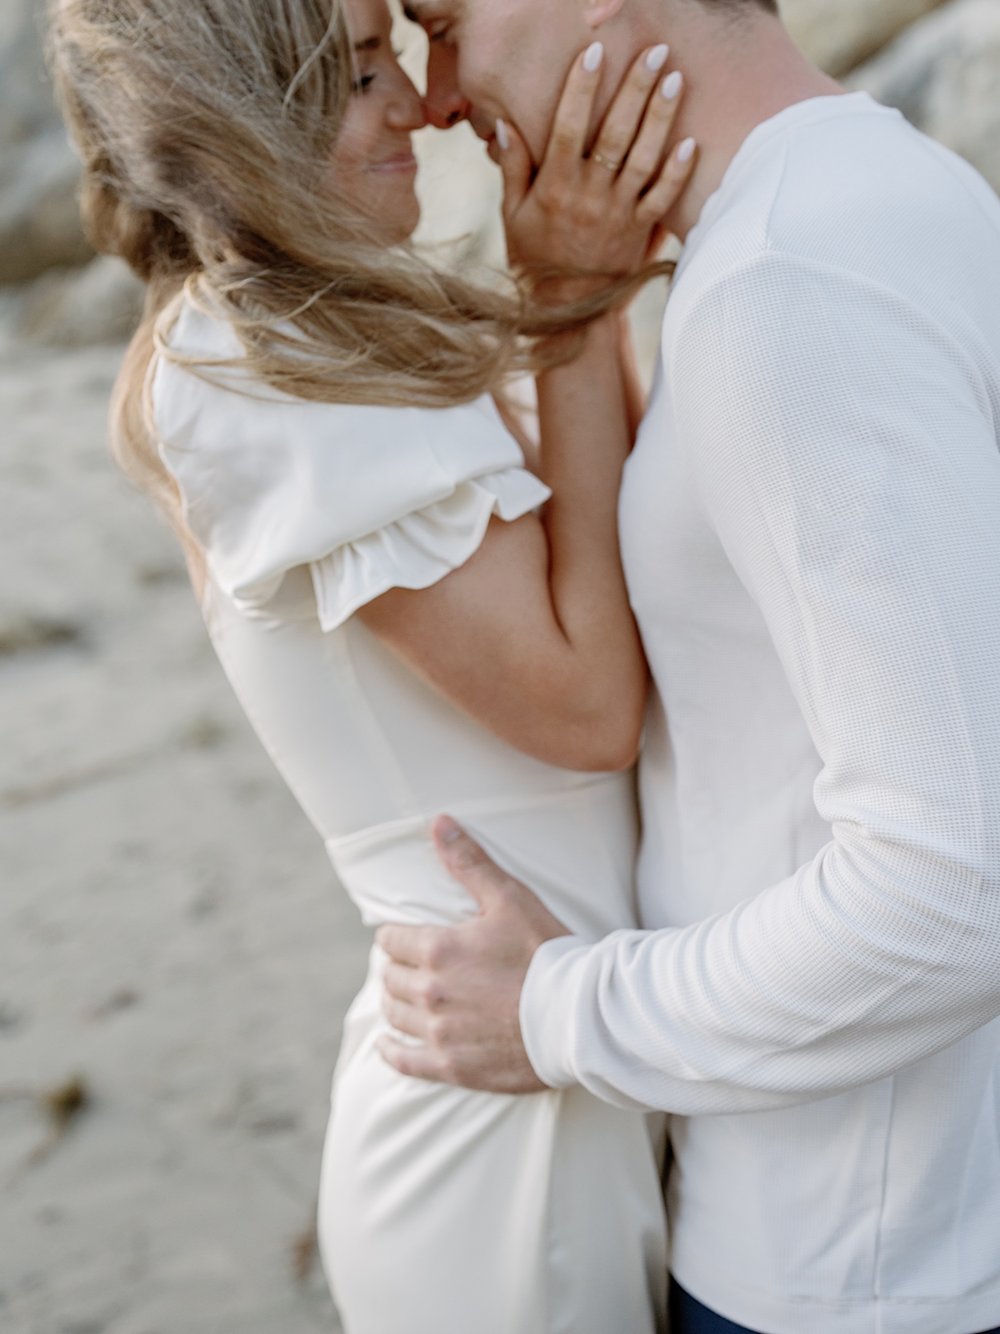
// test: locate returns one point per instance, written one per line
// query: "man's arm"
(851, 472)
(846, 457)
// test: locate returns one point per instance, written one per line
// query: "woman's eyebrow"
(369, 44)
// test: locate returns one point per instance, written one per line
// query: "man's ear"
(597, 12)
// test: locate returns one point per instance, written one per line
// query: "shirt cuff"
(544, 1010)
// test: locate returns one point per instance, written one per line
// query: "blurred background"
(175, 956)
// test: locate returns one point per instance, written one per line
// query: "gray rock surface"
(81, 307)
(837, 34)
(26, 107)
(39, 220)
(944, 75)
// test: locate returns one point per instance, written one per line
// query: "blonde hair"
(205, 127)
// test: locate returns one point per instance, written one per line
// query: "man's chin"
(483, 128)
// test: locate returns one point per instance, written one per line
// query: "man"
(811, 533)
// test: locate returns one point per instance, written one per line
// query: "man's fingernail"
(672, 85)
(503, 135)
(593, 56)
(448, 830)
(657, 57)
(686, 151)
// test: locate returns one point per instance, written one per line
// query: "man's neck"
(737, 75)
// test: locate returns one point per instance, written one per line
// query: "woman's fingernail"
(503, 136)
(657, 57)
(593, 56)
(672, 85)
(686, 151)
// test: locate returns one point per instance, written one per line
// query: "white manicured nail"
(657, 58)
(503, 135)
(672, 85)
(593, 56)
(686, 151)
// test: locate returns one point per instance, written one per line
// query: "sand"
(171, 933)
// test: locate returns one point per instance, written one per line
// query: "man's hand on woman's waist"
(458, 989)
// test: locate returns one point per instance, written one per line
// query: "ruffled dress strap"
(369, 498)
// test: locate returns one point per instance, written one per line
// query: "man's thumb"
(466, 861)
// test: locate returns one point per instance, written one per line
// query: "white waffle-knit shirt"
(811, 531)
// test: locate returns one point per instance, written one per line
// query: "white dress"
(441, 1211)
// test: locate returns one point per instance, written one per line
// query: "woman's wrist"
(600, 338)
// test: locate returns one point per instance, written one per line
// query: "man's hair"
(741, 6)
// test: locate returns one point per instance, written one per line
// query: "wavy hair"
(205, 127)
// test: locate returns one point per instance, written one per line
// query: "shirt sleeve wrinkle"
(842, 461)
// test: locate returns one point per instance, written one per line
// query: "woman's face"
(372, 160)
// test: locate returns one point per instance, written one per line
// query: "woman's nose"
(408, 111)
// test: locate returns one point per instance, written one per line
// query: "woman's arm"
(534, 636)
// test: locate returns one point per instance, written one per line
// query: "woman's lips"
(401, 162)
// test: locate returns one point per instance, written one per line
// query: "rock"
(100, 303)
(26, 105)
(39, 218)
(839, 34)
(944, 75)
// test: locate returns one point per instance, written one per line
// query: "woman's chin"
(398, 222)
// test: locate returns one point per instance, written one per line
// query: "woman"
(312, 404)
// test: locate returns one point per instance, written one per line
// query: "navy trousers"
(689, 1317)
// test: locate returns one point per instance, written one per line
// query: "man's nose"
(446, 105)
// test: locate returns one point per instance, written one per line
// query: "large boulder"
(839, 34)
(39, 214)
(944, 75)
(39, 219)
(81, 307)
(26, 106)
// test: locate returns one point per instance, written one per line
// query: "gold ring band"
(606, 162)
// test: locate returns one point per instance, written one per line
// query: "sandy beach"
(171, 933)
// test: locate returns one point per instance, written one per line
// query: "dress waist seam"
(461, 810)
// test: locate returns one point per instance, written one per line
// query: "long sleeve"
(843, 446)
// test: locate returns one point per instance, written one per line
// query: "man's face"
(499, 58)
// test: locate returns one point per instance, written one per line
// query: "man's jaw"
(483, 126)
(486, 130)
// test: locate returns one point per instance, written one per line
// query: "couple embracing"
(723, 1051)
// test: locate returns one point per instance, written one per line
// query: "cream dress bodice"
(305, 512)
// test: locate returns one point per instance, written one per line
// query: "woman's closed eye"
(365, 78)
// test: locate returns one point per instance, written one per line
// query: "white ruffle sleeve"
(369, 498)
